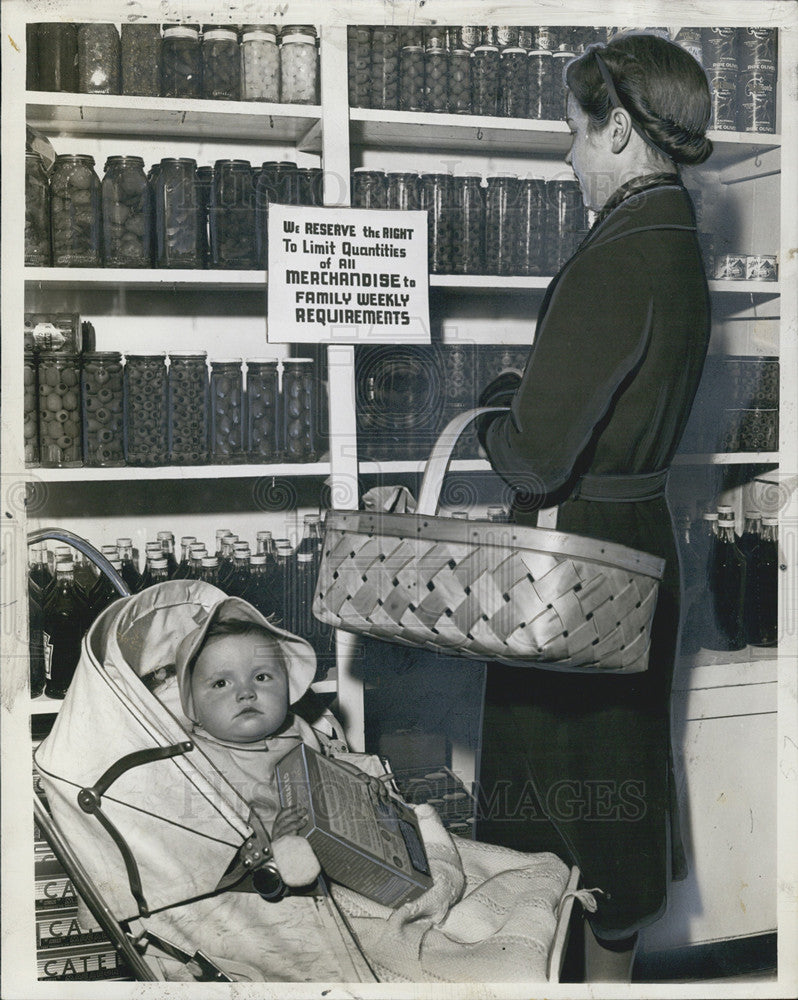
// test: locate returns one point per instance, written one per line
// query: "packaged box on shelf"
(63, 929)
(101, 962)
(374, 848)
(53, 891)
(59, 332)
(410, 750)
(442, 789)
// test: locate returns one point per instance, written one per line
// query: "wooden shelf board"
(161, 472)
(416, 466)
(154, 279)
(729, 458)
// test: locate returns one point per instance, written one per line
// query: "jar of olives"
(310, 185)
(436, 80)
(32, 56)
(262, 411)
(37, 212)
(265, 193)
(436, 199)
(514, 88)
(59, 410)
(359, 65)
(500, 223)
(231, 216)
(204, 177)
(559, 59)
(127, 213)
(30, 409)
(403, 190)
(260, 63)
(530, 228)
(485, 80)
(299, 68)
(221, 63)
(385, 67)
(188, 409)
(540, 68)
(178, 229)
(565, 222)
(58, 56)
(300, 411)
(286, 176)
(75, 211)
(460, 82)
(227, 412)
(411, 78)
(468, 225)
(369, 188)
(145, 409)
(102, 390)
(180, 61)
(141, 59)
(98, 59)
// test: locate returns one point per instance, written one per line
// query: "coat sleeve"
(592, 338)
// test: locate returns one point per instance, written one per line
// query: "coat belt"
(622, 489)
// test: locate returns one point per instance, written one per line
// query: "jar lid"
(124, 161)
(187, 355)
(257, 560)
(298, 361)
(402, 173)
(540, 52)
(235, 164)
(301, 29)
(219, 32)
(462, 52)
(210, 561)
(564, 54)
(102, 356)
(258, 34)
(502, 177)
(75, 158)
(182, 160)
(261, 361)
(226, 361)
(145, 357)
(286, 167)
(768, 521)
(412, 48)
(486, 48)
(368, 170)
(433, 47)
(205, 172)
(514, 50)
(270, 28)
(180, 30)
(302, 39)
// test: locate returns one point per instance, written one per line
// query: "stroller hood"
(180, 822)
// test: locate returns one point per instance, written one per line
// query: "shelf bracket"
(310, 142)
(760, 163)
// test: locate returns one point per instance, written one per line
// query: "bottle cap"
(710, 515)
(165, 535)
(770, 521)
(210, 561)
(64, 566)
(188, 539)
(158, 564)
(257, 560)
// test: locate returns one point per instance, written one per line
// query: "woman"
(574, 763)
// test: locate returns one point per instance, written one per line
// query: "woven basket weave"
(522, 596)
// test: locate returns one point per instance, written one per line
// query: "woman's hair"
(661, 85)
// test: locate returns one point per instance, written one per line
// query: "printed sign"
(347, 275)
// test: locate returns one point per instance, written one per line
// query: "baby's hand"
(289, 820)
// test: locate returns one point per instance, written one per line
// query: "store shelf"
(417, 466)
(489, 282)
(729, 458)
(745, 287)
(127, 472)
(45, 706)
(174, 118)
(147, 279)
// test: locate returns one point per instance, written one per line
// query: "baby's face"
(240, 688)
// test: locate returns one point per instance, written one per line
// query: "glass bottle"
(262, 411)
(30, 409)
(152, 553)
(300, 411)
(60, 442)
(159, 571)
(104, 592)
(530, 228)
(259, 593)
(359, 65)
(181, 63)
(264, 546)
(436, 200)
(299, 60)
(178, 231)
(369, 188)
(260, 63)
(221, 63)
(184, 566)
(501, 224)
(58, 56)
(197, 552)
(102, 389)
(66, 617)
(239, 581)
(37, 212)
(514, 82)
(75, 211)
(221, 534)
(146, 410)
(460, 82)
(540, 83)
(468, 225)
(188, 408)
(231, 216)
(225, 558)
(227, 412)
(385, 67)
(762, 606)
(411, 78)
(286, 179)
(436, 79)
(141, 59)
(727, 586)
(166, 540)
(209, 572)
(127, 213)
(129, 572)
(485, 80)
(98, 59)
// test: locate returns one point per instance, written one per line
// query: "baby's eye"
(262, 676)
(220, 683)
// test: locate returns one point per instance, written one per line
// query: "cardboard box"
(370, 846)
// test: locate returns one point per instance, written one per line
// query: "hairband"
(617, 103)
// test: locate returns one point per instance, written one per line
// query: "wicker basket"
(523, 596)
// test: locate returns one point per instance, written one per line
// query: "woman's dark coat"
(574, 763)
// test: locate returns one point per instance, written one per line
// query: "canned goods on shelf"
(761, 267)
(465, 37)
(310, 185)
(369, 188)
(127, 213)
(436, 200)
(540, 82)
(559, 60)
(262, 412)
(436, 36)
(756, 99)
(402, 190)
(141, 60)
(530, 230)
(730, 267)
(300, 410)
(102, 391)
(723, 78)
(221, 63)
(260, 63)
(503, 36)
(411, 78)
(513, 87)
(718, 44)
(690, 41)
(37, 212)
(58, 56)
(468, 225)
(359, 64)
(60, 443)
(485, 80)
(436, 80)
(545, 37)
(299, 65)
(146, 411)
(75, 211)
(226, 406)
(500, 223)
(385, 67)
(30, 408)
(231, 216)
(188, 409)
(178, 224)
(181, 63)
(460, 82)
(98, 59)
(204, 179)
(757, 47)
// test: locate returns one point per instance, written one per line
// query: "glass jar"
(565, 222)
(500, 223)
(436, 80)
(460, 82)
(188, 409)
(310, 186)
(265, 194)
(468, 225)
(141, 60)
(102, 390)
(75, 211)
(221, 64)
(31, 56)
(58, 56)
(411, 78)
(204, 184)
(178, 229)
(299, 65)
(436, 200)
(98, 59)
(262, 411)
(300, 411)
(286, 179)
(385, 67)
(359, 65)
(530, 227)
(30, 409)
(59, 410)
(145, 409)
(181, 61)
(402, 190)
(231, 216)
(559, 60)
(260, 63)
(514, 86)
(227, 412)
(369, 188)
(37, 212)
(540, 83)
(127, 213)
(485, 80)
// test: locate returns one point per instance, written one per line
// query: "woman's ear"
(620, 129)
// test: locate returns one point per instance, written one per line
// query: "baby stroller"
(177, 869)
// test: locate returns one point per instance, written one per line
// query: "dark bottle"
(39, 578)
(197, 553)
(763, 587)
(727, 586)
(130, 571)
(210, 571)
(85, 575)
(159, 571)
(167, 541)
(39, 571)
(66, 616)
(154, 554)
(699, 623)
(240, 579)
(261, 581)
(183, 568)
(748, 544)
(104, 592)
(225, 557)
(284, 588)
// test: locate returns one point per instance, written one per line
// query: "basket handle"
(438, 462)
